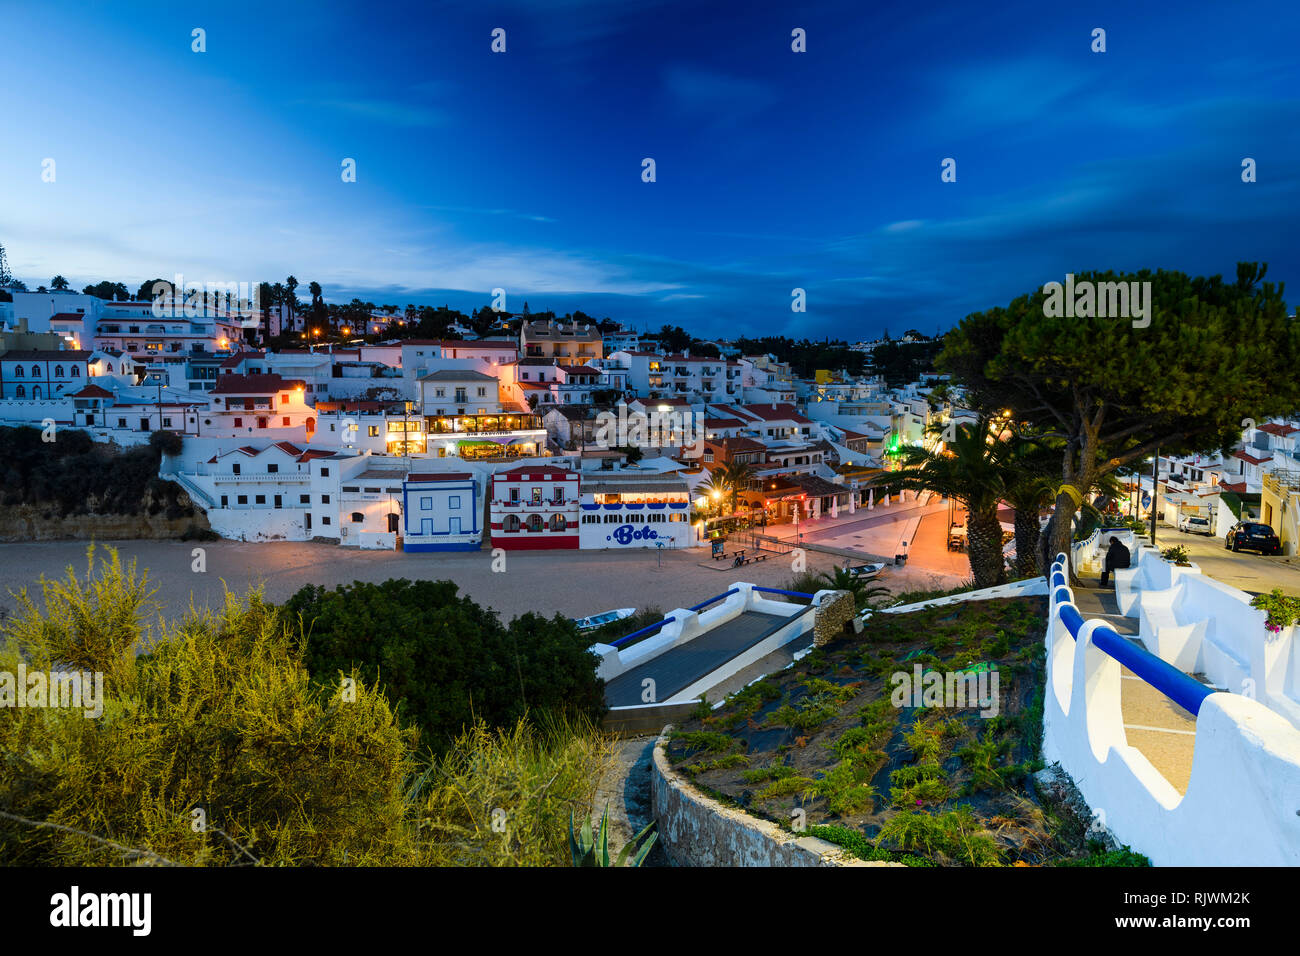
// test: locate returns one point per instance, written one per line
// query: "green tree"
(58, 282)
(969, 472)
(444, 660)
(737, 477)
(1214, 353)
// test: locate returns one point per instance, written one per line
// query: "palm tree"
(864, 592)
(967, 471)
(1028, 467)
(737, 475)
(715, 489)
(58, 282)
(291, 298)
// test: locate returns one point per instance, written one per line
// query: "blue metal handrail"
(716, 597)
(1184, 691)
(645, 630)
(788, 593)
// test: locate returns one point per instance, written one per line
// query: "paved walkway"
(675, 670)
(1160, 729)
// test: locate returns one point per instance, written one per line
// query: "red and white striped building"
(535, 508)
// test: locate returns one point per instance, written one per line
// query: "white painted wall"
(1240, 804)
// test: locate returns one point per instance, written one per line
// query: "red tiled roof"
(238, 357)
(288, 447)
(1250, 458)
(438, 476)
(778, 412)
(1277, 428)
(311, 453)
(68, 316)
(1236, 488)
(723, 423)
(93, 391)
(253, 384)
(526, 472)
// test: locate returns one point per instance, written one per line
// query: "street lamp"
(1155, 493)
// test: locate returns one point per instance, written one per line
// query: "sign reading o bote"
(626, 534)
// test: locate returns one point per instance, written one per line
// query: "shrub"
(442, 660)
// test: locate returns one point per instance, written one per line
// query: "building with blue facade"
(442, 511)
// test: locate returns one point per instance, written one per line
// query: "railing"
(715, 598)
(641, 633)
(1163, 676)
(800, 594)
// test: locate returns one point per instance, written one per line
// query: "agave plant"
(591, 850)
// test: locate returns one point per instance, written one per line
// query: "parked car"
(1253, 536)
(1194, 525)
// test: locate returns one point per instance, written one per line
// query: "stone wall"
(696, 830)
(829, 619)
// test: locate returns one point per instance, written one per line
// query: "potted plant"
(1281, 609)
(1178, 555)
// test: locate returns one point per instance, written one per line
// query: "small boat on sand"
(866, 570)
(600, 620)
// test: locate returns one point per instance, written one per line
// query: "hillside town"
(299, 425)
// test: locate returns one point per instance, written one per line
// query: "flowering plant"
(1282, 610)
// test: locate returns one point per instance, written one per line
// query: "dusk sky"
(775, 169)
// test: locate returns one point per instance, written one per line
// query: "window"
(324, 499)
(481, 392)
(284, 399)
(242, 499)
(21, 392)
(121, 423)
(225, 501)
(558, 523)
(511, 523)
(261, 423)
(358, 517)
(352, 488)
(285, 422)
(259, 500)
(304, 499)
(534, 522)
(453, 501)
(325, 519)
(234, 469)
(426, 504)
(239, 423)
(272, 468)
(324, 472)
(58, 371)
(536, 496)
(18, 371)
(372, 431)
(36, 371)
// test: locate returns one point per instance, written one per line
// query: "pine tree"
(5, 276)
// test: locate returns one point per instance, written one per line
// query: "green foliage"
(956, 835)
(588, 850)
(1282, 609)
(218, 712)
(1099, 856)
(74, 475)
(703, 741)
(860, 846)
(1178, 554)
(500, 798)
(443, 660)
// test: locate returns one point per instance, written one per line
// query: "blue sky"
(775, 170)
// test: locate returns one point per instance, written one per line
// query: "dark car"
(1253, 536)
